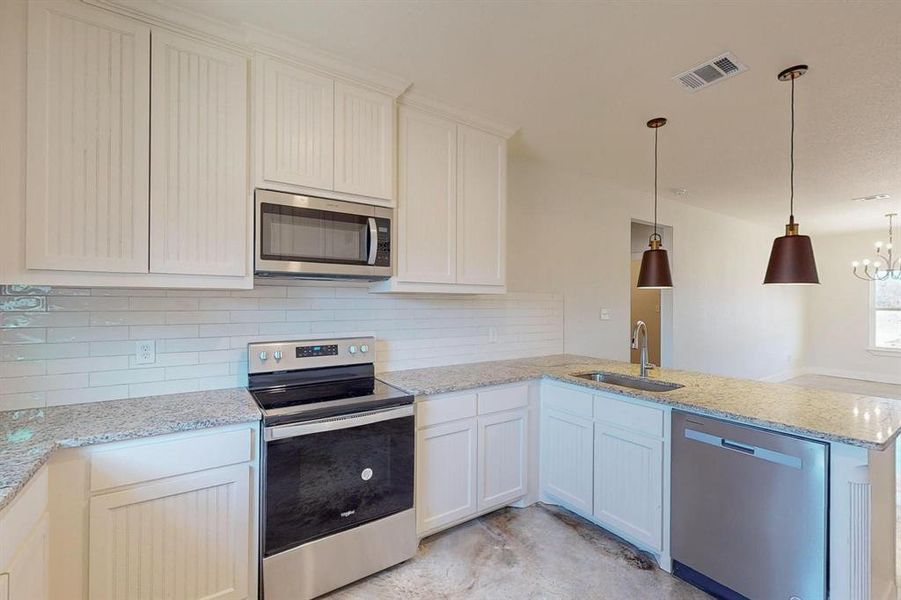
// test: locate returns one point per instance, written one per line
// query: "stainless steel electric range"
(337, 463)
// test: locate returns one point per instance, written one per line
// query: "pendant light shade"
(654, 272)
(791, 259)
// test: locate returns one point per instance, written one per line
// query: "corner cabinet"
(136, 154)
(322, 136)
(450, 232)
(471, 454)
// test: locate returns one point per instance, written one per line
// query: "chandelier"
(883, 266)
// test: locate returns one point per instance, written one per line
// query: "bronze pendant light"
(654, 272)
(791, 259)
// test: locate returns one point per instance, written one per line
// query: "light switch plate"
(605, 314)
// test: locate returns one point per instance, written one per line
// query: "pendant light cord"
(656, 129)
(792, 155)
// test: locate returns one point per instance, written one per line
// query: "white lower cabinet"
(471, 454)
(447, 473)
(567, 458)
(628, 484)
(182, 537)
(502, 457)
(603, 455)
(28, 573)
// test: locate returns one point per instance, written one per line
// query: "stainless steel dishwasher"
(749, 510)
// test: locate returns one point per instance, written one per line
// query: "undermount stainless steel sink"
(636, 383)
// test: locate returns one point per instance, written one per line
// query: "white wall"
(570, 233)
(837, 324)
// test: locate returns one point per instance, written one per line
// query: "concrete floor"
(535, 552)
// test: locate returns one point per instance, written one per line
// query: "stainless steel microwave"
(319, 238)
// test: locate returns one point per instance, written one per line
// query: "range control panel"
(267, 357)
(320, 350)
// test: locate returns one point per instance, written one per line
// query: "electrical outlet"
(145, 352)
(492, 335)
(605, 314)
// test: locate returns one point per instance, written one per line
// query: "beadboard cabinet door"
(502, 457)
(446, 474)
(567, 455)
(198, 160)
(364, 142)
(481, 207)
(628, 484)
(182, 537)
(297, 132)
(427, 198)
(87, 193)
(28, 575)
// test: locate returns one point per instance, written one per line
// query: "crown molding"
(247, 39)
(418, 99)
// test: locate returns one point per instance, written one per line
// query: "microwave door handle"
(373, 241)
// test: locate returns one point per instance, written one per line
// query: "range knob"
(352, 349)
(264, 355)
(277, 355)
(364, 348)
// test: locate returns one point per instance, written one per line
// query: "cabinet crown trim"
(417, 99)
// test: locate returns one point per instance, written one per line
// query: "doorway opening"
(654, 307)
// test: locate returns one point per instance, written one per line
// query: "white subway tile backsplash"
(66, 345)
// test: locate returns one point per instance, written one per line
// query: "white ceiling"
(581, 79)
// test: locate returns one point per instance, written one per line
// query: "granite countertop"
(30, 436)
(854, 419)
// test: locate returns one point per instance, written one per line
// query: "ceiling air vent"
(710, 71)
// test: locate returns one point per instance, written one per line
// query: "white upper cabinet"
(88, 135)
(451, 232)
(427, 198)
(364, 142)
(321, 135)
(297, 125)
(481, 207)
(198, 160)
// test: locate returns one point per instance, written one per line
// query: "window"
(887, 314)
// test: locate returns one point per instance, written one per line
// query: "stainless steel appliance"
(337, 464)
(749, 510)
(318, 238)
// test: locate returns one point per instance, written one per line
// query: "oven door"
(317, 237)
(330, 475)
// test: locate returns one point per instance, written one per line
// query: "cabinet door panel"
(184, 537)
(297, 126)
(88, 123)
(364, 142)
(567, 445)
(481, 207)
(502, 458)
(628, 484)
(427, 198)
(28, 577)
(446, 474)
(198, 187)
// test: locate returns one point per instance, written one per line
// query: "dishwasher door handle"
(733, 446)
(753, 451)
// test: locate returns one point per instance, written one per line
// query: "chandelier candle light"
(884, 266)
(791, 259)
(654, 273)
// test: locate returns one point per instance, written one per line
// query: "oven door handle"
(281, 432)
(373, 241)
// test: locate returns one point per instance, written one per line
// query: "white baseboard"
(862, 375)
(784, 376)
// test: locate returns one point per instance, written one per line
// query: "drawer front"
(625, 414)
(506, 398)
(445, 408)
(157, 459)
(567, 400)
